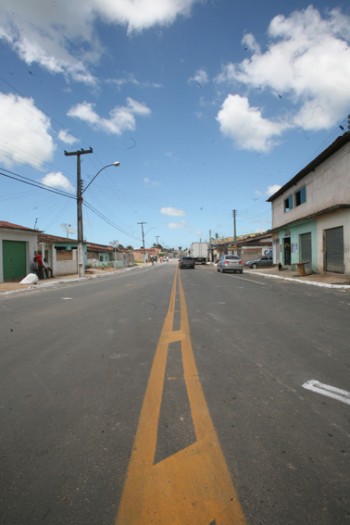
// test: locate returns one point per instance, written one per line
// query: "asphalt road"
(158, 396)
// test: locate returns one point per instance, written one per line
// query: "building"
(311, 213)
(248, 247)
(17, 248)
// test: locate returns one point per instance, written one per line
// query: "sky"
(209, 106)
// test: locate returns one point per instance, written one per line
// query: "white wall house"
(17, 247)
(311, 213)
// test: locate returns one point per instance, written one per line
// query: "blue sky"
(208, 105)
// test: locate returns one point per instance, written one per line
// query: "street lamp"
(80, 191)
(116, 164)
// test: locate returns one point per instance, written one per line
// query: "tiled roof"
(93, 247)
(45, 237)
(12, 226)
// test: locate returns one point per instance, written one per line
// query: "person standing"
(47, 269)
(39, 260)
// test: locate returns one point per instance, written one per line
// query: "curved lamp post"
(116, 164)
(80, 191)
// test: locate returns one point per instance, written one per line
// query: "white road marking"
(328, 390)
(66, 298)
(249, 280)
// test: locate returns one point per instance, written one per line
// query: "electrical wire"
(30, 182)
(109, 221)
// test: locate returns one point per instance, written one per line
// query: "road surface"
(168, 397)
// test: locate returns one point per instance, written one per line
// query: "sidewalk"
(8, 288)
(328, 280)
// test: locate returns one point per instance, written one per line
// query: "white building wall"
(17, 235)
(327, 186)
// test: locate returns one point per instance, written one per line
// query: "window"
(300, 196)
(288, 203)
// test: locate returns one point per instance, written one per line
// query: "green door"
(14, 260)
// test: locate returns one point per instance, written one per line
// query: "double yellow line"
(192, 486)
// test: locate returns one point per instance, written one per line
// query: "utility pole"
(234, 228)
(210, 250)
(143, 234)
(81, 263)
(157, 237)
(234, 224)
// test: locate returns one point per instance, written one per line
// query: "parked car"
(261, 262)
(186, 262)
(230, 263)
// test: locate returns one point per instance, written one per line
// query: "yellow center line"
(193, 486)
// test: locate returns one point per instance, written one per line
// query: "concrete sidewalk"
(329, 280)
(13, 287)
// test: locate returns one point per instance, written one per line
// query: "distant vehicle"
(199, 252)
(230, 263)
(262, 262)
(186, 262)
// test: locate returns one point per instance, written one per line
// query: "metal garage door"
(334, 254)
(14, 260)
(305, 248)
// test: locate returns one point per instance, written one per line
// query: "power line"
(30, 182)
(109, 221)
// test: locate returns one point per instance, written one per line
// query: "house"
(60, 252)
(17, 247)
(311, 213)
(146, 254)
(248, 247)
(101, 256)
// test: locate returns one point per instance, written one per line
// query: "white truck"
(200, 252)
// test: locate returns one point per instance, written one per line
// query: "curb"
(310, 283)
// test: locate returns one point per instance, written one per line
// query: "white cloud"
(143, 14)
(60, 36)
(273, 189)
(58, 180)
(24, 132)
(149, 182)
(67, 137)
(306, 63)
(200, 78)
(246, 125)
(176, 225)
(172, 212)
(121, 118)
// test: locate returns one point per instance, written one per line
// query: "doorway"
(287, 251)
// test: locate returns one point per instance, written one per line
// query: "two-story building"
(311, 213)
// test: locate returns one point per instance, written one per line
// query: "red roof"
(11, 226)
(45, 237)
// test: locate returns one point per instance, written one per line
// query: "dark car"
(261, 262)
(186, 262)
(230, 263)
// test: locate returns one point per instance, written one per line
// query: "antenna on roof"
(68, 228)
(36, 222)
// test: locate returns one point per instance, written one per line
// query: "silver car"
(261, 262)
(230, 263)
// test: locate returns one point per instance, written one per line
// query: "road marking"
(248, 280)
(328, 390)
(193, 485)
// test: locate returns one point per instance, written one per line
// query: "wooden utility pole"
(143, 234)
(81, 262)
